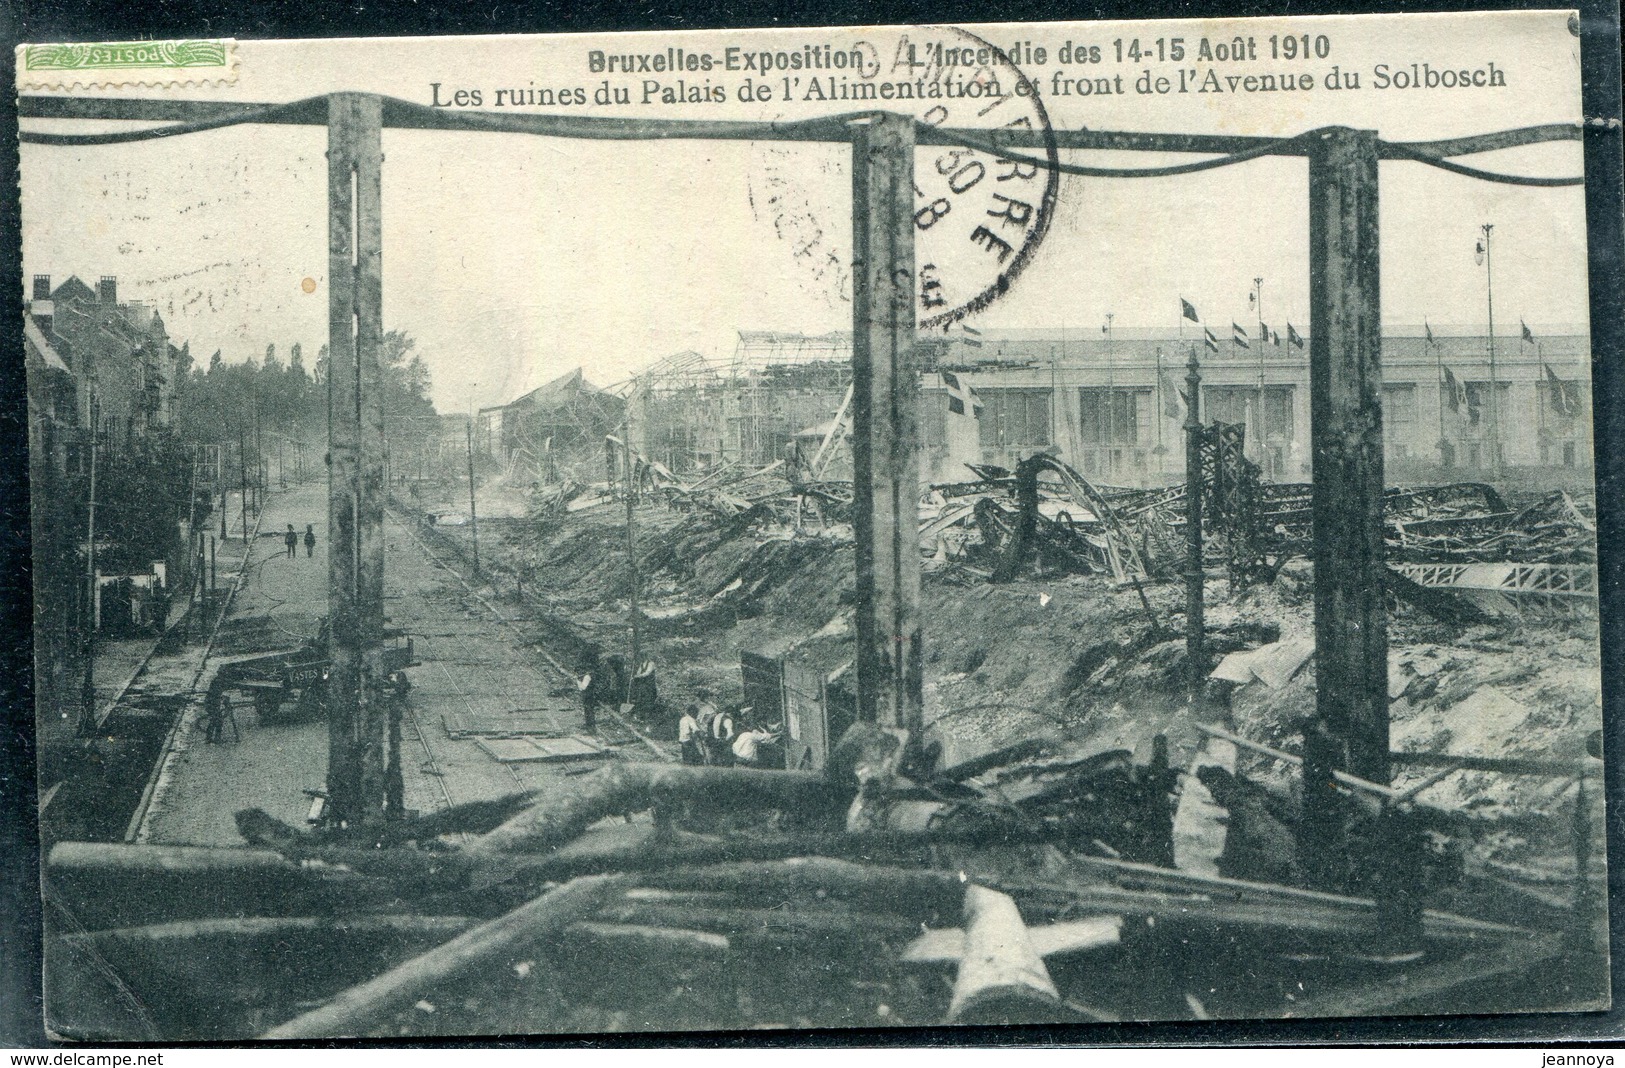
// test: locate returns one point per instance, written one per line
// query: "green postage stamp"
(113, 63)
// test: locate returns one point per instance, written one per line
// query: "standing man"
(291, 540)
(644, 696)
(705, 715)
(310, 539)
(688, 736)
(722, 736)
(597, 687)
(589, 703)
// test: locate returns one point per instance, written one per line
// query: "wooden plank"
(544, 723)
(540, 751)
(1345, 388)
(885, 414)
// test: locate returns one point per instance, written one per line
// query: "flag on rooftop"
(1239, 335)
(1293, 336)
(1527, 335)
(1173, 401)
(1565, 396)
(1210, 339)
(1428, 331)
(1188, 310)
(961, 398)
(1454, 394)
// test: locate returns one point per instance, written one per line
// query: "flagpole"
(1495, 389)
(1438, 362)
(1161, 415)
(1258, 294)
(1542, 430)
(1055, 385)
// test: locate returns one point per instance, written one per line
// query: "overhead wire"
(1477, 172)
(590, 128)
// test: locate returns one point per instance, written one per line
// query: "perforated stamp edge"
(121, 64)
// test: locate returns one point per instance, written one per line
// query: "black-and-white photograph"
(1054, 523)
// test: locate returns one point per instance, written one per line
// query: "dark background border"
(91, 20)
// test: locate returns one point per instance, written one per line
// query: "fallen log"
(226, 978)
(1001, 978)
(943, 944)
(794, 920)
(565, 813)
(472, 817)
(876, 886)
(361, 1008)
(643, 939)
(1174, 899)
(99, 885)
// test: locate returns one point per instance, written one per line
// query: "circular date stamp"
(980, 215)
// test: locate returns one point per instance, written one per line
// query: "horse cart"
(290, 686)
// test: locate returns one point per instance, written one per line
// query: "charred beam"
(357, 709)
(885, 371)
(1345, 388)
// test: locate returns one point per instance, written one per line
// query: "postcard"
(820, 527)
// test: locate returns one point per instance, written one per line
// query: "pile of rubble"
(884, 870)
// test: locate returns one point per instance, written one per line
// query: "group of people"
(604, 685)
(291, 540)
(709, 735)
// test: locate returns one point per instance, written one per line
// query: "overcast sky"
(512, 259)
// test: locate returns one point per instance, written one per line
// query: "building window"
(1399, 409)
(1569, 452)
(1398, 419)
(1014, 417)
(1239, 404)
(1478, 402)
(1113, 416)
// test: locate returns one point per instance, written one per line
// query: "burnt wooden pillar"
(357, 709)
(885, 421)
(1345, 400)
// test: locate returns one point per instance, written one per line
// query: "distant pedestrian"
(689, 736)
(310, 539)
(291, 540)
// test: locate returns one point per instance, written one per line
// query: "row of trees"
(286, 401)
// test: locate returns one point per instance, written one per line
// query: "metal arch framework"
(1345, 376)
